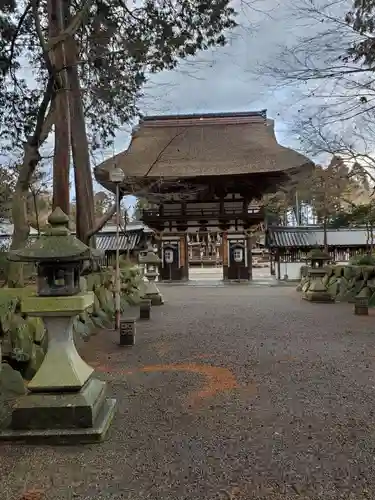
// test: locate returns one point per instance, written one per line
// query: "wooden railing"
(200, 213)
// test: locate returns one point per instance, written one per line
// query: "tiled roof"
(132, 226)
(104, 240)
(311, 236)
(128, 241)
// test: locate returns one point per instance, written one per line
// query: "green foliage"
(363, 260)
(325, 189)
(341, 219)
(3, 265)
(361, 19)
(119, 45)
(357, 216)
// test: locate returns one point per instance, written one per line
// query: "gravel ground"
(229, 393)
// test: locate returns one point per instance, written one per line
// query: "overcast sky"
(225, 79)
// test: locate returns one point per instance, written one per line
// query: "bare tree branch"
(103, 220)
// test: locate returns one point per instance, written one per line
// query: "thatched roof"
(187, 146)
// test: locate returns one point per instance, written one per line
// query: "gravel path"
(230, 393)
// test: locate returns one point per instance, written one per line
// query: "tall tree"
(330, 69)
(108, 48)
(328, 188)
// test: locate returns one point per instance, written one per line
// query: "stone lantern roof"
(149, 258)
(318, 254)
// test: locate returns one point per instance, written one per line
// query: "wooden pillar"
(224, 253)
(278, 264)
(170, 271)
(249, 244)
(272, 263)
(184, 257)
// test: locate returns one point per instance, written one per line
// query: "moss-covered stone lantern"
(151, 262)
(317, 291)
(318, 258)
(64, 402)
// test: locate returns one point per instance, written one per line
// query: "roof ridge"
(235, 114)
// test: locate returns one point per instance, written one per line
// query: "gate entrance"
(203, 173)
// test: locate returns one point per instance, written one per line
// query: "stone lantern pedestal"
(64, 403)
(317, 292)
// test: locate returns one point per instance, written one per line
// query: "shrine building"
(204, 174)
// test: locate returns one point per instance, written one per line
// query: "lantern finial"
(58, 218)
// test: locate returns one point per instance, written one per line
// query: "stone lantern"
(151, 262)
(64, 401)
(318, 259)
(316, 291)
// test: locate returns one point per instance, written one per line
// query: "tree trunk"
(21, 227)
(85, 217)
(371, 236)
(61, 157)
(368, 236)
(325, 239)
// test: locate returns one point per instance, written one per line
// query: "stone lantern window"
(318, 258)
(58, 279)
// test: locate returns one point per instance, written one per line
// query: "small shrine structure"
(290, 246)
(204, 173)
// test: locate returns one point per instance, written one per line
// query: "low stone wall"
(344, 282)
(23, 339)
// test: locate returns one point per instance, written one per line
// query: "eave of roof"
(199, 116)
(166, 148)
(313, 236)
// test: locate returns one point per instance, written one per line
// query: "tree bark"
(85, 217)
(61, 157)
(325, 240)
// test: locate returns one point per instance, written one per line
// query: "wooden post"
(224, 246)
(278, 264)
(249, 244)
(183, 257)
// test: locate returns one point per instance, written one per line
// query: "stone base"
(153, 293)
(145, 309)
(360, 310)
(315, 296)
(317, 292)
(77, 417)
(155, 298)
(235, 281)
